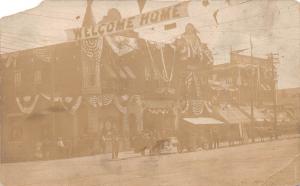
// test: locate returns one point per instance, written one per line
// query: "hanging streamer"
(121, 108)
(186, 108)
(72, 109)
(30, 106)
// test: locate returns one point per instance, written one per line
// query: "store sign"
(148, 18)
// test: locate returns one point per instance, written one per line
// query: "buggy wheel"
(179, 149)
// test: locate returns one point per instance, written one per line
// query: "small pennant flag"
(215, 16)
(141, 4)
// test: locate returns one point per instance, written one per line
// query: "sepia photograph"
(150, 93)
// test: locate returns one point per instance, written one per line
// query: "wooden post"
(251, 91)
(274, 93)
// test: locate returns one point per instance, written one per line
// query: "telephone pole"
(274, 60)
(252, 91)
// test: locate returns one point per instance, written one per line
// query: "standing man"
(60, 147)
(102, 140)
(46, 148)
(115, 143)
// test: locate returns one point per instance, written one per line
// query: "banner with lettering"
(134, 22)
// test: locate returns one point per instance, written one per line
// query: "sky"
(273, 25)
(9, 7)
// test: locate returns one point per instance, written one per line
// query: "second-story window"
(92, 80)
(37, 77)
(90, 74)
(18, 78)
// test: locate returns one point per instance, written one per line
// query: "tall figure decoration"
(195, 63)
(91, 51)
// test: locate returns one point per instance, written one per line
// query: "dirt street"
(269, 163)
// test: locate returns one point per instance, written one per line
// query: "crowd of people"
(147, 142)
(59, 148)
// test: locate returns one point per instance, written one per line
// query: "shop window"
(108, 125)
(16, 134)
(132, 125)
(92, 80)
(18, 78)
(92, 120)
(90, 74)
(37, 77)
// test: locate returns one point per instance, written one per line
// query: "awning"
(203, 121)
(232, 114)
(259, 114)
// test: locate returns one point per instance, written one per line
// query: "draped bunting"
(69, 103)
(92, 48)
(98, 101)
(107, 99)
(198, 107)
(27, 104)
(158, 110)
(158, 107)
(71, 107)
(91, 53)
(95, 101)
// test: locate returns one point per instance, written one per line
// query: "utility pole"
(274, 61)
(53, 127)
(251, 91)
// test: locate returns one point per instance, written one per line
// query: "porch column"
(140, 118)
(75, 132)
